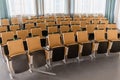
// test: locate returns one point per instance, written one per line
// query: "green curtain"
(3, 9)
(109, 12)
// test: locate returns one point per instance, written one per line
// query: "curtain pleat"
(109, 12)
(3, 9)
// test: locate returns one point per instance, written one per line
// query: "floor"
(102, 68)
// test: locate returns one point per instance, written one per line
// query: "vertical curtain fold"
(109, 12)
(3, 9)
(40, 7)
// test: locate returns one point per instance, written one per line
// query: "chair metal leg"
(10, 69)
(65, 60)
(44, 72)
(93, 54)
(107, 54)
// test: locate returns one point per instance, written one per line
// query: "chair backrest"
(5, 22)
(112, 26)
(14, 28)
(3, 29)
(33, 44)
(64, 22)
(54, 40)
(104, 21)
(15, 48)
(76, 19)
(50, 23)
(99, 35)
(75, 23)
(40, 20)
(41, 25)
(64, 29)
(68, 19)
(102, 27)
(96, 21)
(15, 21)
(23, 34)
(36, 32)
(82, 36)
(24, 20)
(91, 27)
(83, 23)
(75, 28)
(112, 34)
(68, 38)
(29, 25)
(52, 29)
(7, 36)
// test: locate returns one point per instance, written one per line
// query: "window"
(22, 7)
(55, 6)
(90, 6)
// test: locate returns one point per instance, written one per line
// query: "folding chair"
(72, 48)
(50, 24)
(114, 42)
(101, 44)
(17, 60)
(3, 29)
(55, 48)
(14, 28)
(38, 56)
(7, 36)
(90, 29)
(112, 26)
(29, 26)
(75, 28)
(65, 23)
(75, 23)
(84, 43)
(64, 28)
(15, 21)
(41, 25)
(36, 32)
(5, 22)
(22, 34)
(52, 29)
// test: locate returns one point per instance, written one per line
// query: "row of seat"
(53, 29)
(60, 47)
(56, 29)
(23, 20)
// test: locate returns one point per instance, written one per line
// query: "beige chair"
(29, 26)
(75, 23)
(65, 23)
(14, 28)
(5, 22)
(114, 42)
(102, 27)
(6, 36)
(15, 21)
(75, 28)
(72, 48)
(41, 25)
(64, 29)
(17, 57)
(38, 56)
(101, 44)
(36, 32)
(3, 29)
(55, 48)
(22, 34)
(86, 46)
(52, 29)
(112, 26)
